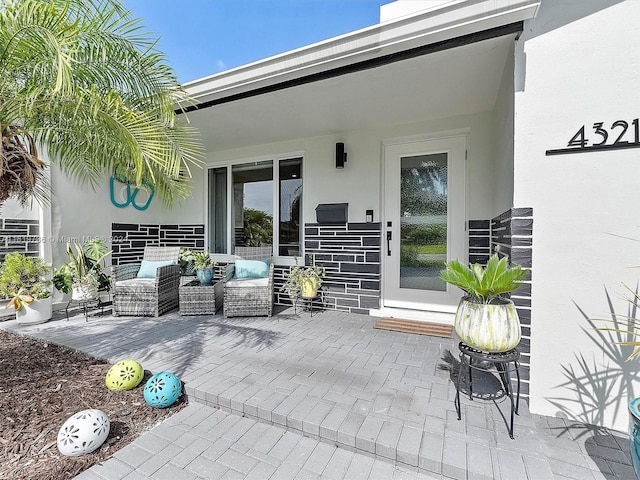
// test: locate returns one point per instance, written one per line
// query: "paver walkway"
(327, 397)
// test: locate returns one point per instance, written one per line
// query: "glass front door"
(424, 222)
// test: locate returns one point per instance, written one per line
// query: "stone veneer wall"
(129, 239)
(18, 235)
(350, 254)
(510, 233)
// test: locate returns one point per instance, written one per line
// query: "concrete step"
(201, 442)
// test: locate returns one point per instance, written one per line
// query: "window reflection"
(252, 206)
(290, 174)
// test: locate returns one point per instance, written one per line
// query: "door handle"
(388, 244)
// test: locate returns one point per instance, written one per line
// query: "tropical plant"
(187, 256)
(203, 260)
(631, 330)
(84, 268)
(23, 279)
(81, 80)
(299, 274)
(484, 284)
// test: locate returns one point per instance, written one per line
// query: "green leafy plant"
(23, 279)
(484, 284)
(629, 331)
(84, 81)
(203, 260)
(84, 268)
(300, 273)
(187, 257)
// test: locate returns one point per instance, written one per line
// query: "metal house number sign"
(620, 134)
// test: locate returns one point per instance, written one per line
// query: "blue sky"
(204, 37)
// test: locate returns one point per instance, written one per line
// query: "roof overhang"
(391, 48)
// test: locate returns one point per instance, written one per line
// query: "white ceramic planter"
(39, 311)
(84, 293)
(491, 327)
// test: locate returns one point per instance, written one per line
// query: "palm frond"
(484, 283)
(82, 78)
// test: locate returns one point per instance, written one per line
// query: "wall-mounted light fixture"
(341, 155)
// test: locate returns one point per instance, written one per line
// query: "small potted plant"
(82, 276)
(304, 281)
(203, 265)
(485, 319)
(187, 257)
(24, 281)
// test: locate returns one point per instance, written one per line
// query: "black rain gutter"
(475, 37)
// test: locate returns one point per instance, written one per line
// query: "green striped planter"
(493, 327)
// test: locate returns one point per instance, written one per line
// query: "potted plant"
(485, 319)
(187, 257)
(24, 281)
(82, 276)
(203, 265)
(304, 281)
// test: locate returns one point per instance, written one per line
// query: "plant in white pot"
(485, 319)
(83, 276)
(25, 282)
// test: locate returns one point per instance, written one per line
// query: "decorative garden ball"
(124, 375)
(83, 432)
(162, 390)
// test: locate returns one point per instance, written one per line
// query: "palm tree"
(80, 80)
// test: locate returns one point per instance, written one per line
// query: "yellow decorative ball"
(124, 375)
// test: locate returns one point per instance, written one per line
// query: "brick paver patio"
(328, 397)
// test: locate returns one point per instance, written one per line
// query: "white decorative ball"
(83, 432)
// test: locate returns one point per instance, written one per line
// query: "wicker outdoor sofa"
(249, 297)
(150, 296)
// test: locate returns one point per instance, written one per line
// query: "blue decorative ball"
(162, 390)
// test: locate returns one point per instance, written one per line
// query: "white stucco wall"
(79, 211)
(578, 63)
(503, 143)
(359, 183)
(12, 209)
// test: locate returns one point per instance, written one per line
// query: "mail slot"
(332, 213)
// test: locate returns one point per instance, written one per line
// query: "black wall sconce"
(341, 155)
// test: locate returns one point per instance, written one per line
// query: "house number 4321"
(617, 131)
(617, 135)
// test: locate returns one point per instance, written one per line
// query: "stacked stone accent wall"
(350, 254)
(129, 239)
(479, 241)
(18, 235)
(510, 233)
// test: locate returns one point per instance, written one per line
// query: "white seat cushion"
(248, 282)
(137, 282)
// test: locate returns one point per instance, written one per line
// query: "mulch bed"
(41, 385)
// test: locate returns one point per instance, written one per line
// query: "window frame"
(275, 159)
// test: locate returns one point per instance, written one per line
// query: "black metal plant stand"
(87, 304)
(307, 304)
(505, 362)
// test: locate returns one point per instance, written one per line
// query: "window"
(254, 204)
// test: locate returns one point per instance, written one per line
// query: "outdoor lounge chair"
(248, 283)
(149, 288)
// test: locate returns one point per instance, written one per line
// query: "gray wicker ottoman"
(196, 299)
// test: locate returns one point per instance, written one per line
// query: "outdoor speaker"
(341, 156)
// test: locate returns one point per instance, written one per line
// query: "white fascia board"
(454, 19)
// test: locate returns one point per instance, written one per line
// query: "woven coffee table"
(196, 299)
